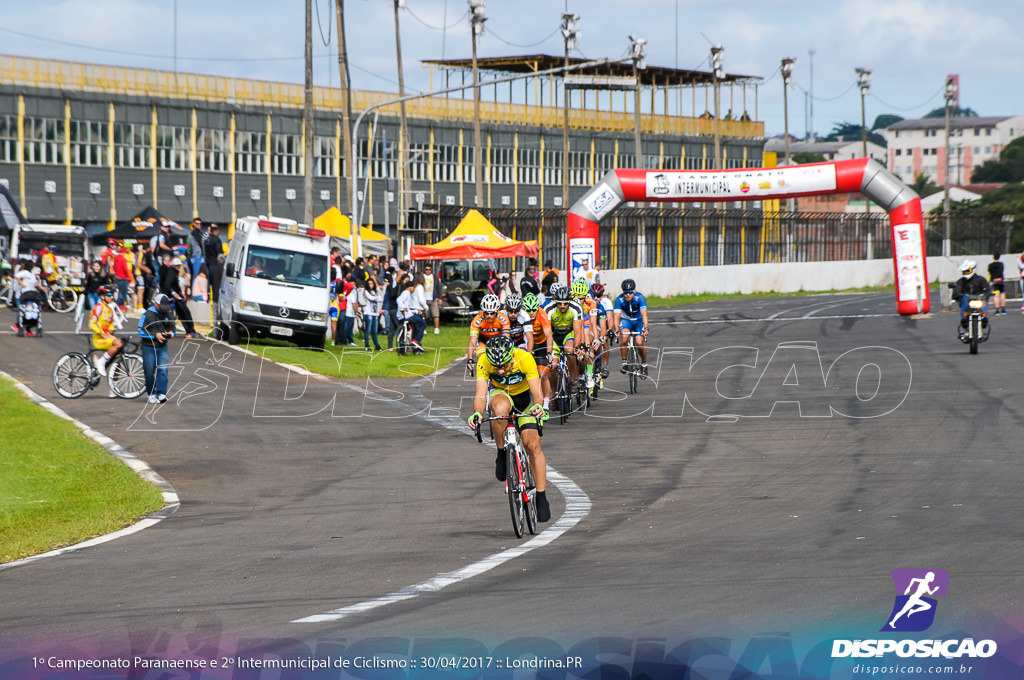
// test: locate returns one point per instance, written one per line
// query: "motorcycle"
(976, 328)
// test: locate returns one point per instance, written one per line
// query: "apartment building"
(917, 147)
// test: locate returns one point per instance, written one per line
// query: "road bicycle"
(563, 395)
(519, 484)
(61, 297)
(632, 364)
(74, 374)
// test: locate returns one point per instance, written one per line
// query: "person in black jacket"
(170, 287)
(970, 284)
(156, 327)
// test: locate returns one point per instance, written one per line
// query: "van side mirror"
(230, 270)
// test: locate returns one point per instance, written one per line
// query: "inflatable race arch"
(754, 184)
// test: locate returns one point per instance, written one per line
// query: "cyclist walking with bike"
(102, 324)
(631, 318)
(507, 381)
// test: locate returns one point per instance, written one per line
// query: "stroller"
(30, 314)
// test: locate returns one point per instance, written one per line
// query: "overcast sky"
(910, 45)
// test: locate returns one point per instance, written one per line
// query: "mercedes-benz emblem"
(284, 311)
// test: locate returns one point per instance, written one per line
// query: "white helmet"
(967, 266)
(490, 303)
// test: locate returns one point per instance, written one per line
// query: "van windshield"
(288, 266)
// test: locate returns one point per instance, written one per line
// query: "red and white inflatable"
(753, 184)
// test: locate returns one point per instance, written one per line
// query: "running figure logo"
(916, 589)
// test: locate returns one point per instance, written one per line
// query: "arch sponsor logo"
(914, 608)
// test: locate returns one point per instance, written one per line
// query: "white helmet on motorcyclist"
(490, 303)
(967, 266)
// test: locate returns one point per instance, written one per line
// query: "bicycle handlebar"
(479, 436)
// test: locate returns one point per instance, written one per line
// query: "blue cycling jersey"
(630, 309)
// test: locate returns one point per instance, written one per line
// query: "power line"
(437, 28)
(327, 40)
(825, 99)
(512, 44)
(910, 108)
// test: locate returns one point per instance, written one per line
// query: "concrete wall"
(786, 278)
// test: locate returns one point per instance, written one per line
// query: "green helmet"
(580, 288)
(530, 303)
(499, 350)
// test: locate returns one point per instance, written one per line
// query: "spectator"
(195, 251)
(410, 307)
(369, 304)
(351, 312)
(549, 278)
(200, 285)
(584, 271)
(216, 277)
(161, 243)
(170, 285)
(156, 327)
(122, 276)
(396, 284)
(433, 292)
(528, 284)
(147, 274)
(213, 251)
(97, 277)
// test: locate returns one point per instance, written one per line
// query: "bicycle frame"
(519, 485)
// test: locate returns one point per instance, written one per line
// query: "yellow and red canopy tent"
(475, 238)
(339, 228)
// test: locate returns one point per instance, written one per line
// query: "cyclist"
(588, 342)
(566, 325)
(48, 263)
(604, 312)
(518, 321)
(489, 323)
(542, 343)
(631, 318)
(507, 379)
(102, 325)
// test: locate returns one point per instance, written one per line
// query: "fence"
(700, 235)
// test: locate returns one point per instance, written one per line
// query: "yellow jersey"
(516, 379)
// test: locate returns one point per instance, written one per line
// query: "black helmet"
(106, 290)
(628, 286)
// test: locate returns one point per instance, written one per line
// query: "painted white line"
(774, 318)
(170, 496)
(577, 505)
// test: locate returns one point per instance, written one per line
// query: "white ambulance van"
(275, 283)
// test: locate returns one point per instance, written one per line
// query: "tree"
(924, 185)
(1009, 167)
(851, 132)
(955, 112)
(884, 120)
(808, 157)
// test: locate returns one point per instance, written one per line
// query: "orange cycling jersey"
(486, 328)
(541, 324)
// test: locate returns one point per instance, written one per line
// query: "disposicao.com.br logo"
(914, 611)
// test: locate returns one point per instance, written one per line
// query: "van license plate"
(281, 330)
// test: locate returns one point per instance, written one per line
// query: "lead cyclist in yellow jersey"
(507, 379)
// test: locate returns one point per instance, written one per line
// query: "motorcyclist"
(970, 284)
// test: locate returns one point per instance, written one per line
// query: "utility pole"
(717, 73)
(403, 131)
(307, 123)
(639, 48)
(571, 33)
(346, 110)
(477, 10)
(810, 101)
(787, 73)
(952, 99)
(864, 81)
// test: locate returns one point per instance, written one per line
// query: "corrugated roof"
(660, 76)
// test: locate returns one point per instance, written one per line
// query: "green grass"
(57, 487)
(355, 362)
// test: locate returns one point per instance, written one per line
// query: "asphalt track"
(784, 456)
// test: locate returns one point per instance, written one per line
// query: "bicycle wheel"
(513, 486)
(562, 397)
(531, 492)
(71, 375)
(62, 299)
(127, 376)
(634, 369)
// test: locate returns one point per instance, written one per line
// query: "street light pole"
(718, 73)
(477, 19)
(952, 98)
(571, 33)
(787, 72)
(638, 50)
